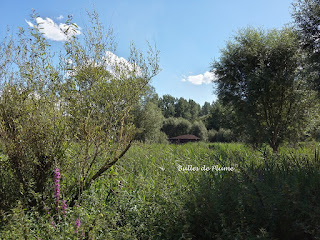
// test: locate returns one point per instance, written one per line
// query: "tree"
(74, 115)
(182, 109)
(223, 135)
(173, 127)
(307, 18)
(183, 127)
(194, 110)
(169, 126)
(149, 96)
(148, 119)
(167, 105)
(221, 116)
(32, 127)
(199, 129)
(258, 75)
(205, 109)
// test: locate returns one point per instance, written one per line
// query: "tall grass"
(268, 196)
(147, 196)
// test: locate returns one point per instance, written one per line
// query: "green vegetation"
(306, 16)
(258, 75)
(81, 103)
(67, 119)
(145, 196)
(159, 118)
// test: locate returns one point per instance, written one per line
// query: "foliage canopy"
(307, 18)
(259, 74)
(78, 98)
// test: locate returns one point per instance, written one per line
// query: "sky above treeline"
(189, 34)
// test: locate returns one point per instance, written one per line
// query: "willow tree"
(260, 75)
(68, 110)
(306, 14)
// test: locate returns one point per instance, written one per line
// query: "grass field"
(191, 191)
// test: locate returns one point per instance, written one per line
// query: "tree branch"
(97, 175)
(107, 166)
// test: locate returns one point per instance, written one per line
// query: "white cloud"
(60, 17)
(114, 60)
(119, 65)
(206, 78)
(53, 31)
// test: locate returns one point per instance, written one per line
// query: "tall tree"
(148, 118)
(258, 74)
(82, 103)
(307, 18)
(205, 109)
(149, 96)
(194, 109)
(221, 116)
(182, 109)
(167, 105)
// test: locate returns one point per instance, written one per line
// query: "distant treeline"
(159, 118)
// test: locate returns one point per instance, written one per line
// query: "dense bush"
(223, 135)
(199, 129)
(173, 127)
(212, 135)
(148, 120)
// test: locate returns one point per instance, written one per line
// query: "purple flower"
(64, 206)
(52, 223)
(78, 223)
(57, 177)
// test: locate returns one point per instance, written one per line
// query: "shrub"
(212, 135)
(173, 127)
(223, 135)
(199, 129)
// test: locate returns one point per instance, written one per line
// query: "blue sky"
(188, 33)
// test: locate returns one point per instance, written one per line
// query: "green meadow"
(191, 191)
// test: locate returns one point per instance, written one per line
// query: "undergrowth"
(191, 191)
